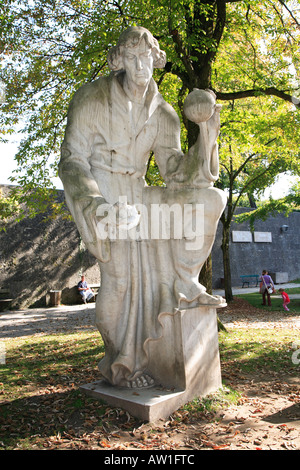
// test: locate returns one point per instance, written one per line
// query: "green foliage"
(242, 50)
(153, 176)
(255, 145)
(30, 200)
(285, 205)
(9, 207)
(257, 58)
(260, 46)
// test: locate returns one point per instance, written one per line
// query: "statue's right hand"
(90, 215)
(91, 209)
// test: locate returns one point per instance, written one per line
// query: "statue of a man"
(114, 123)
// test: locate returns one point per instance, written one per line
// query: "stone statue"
(151, 242)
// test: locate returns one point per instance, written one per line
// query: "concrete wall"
(282, 254)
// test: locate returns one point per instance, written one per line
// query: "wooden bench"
(95, 288)
(247, 278)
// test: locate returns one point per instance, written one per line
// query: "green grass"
(255, 350)
(223, 398)
(263, 349)
(40, 400)
(255, 299)
(44, 361)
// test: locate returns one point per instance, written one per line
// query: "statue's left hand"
(213, 124)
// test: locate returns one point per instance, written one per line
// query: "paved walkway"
(25, 322)
(248, 290)
(15, 323)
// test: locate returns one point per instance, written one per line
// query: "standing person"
(84, 290)
(266, 283)
(285, 298)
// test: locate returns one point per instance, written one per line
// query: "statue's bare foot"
(215, 300)
(204, 299)
(143, 381)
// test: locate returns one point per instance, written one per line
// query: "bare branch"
(236, 95)
(290, 12)
(220, 22)
(183, 54)
(250, 157)
(250, 183)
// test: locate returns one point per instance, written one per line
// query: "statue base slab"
(147, 404)
(184, 361)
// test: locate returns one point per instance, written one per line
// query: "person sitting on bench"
(84, 290)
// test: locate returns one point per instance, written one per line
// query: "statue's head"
(131, 38)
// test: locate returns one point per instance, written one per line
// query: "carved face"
(138, 64)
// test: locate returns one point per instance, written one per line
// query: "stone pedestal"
(184, 362)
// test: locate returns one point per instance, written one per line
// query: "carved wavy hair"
(132, 37)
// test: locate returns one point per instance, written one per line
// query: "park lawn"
(256, 349)
(255, 299)
(39, 362)
(40, 401)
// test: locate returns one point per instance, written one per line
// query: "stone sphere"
(199, 105)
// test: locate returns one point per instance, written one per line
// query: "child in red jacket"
(285, 298)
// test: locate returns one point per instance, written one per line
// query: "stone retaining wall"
(41, 254)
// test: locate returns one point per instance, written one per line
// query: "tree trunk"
(206, 20)
(252, 201)
(226, 261)
(205, 276)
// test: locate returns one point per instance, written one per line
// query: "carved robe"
(105, 153)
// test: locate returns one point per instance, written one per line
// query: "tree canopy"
(246, 51)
